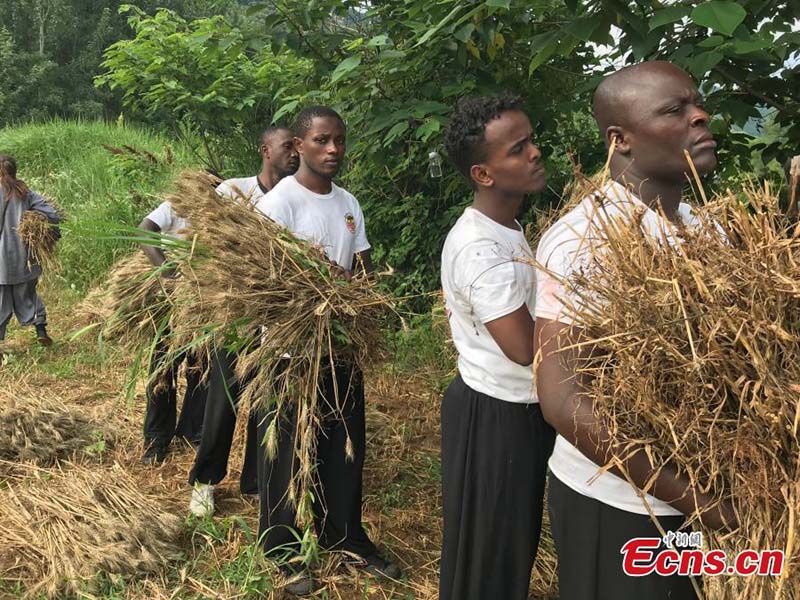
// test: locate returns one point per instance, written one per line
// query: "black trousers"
(161, 393)
(589, 535)
(211, 462)
(337, 498)
(494, 465)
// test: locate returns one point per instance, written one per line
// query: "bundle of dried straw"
(40, 429)
(248, 284)
(698, 361)
(40, 238)
(61, 530)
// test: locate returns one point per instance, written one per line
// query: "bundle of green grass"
(698, 362)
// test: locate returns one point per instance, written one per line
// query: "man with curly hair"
(495, 442)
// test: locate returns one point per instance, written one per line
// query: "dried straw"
(40, 238)
(66, 527)
(40, 429)
(698, 362)
(242, 273)
(133, 305)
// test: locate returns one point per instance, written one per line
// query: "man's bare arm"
(153, 253)
(567, 407)
(514, 333)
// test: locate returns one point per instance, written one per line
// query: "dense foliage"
(394, 70)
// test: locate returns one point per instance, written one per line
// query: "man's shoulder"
(245, 185)
(569, 231)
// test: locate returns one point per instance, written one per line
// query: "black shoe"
(155, 454)
(299, 582)
(42, 337)
(373, 564)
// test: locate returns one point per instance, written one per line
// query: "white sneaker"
(202, 502)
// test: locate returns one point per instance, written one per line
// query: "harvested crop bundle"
(42, 430)
(61, 530)
(40, 238)
(133, 305)
(698, 361)
(278, 302)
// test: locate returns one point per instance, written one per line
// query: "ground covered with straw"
(219, 560)
(698, 361)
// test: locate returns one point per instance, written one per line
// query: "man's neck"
(500, 208)
(313, 181)
(656, 194)
(268, 177)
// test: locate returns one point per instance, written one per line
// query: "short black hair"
(306, 116)
(269, 131)
(464, 139)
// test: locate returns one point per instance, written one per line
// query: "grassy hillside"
(67, 161)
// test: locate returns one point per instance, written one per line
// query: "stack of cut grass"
(279, 303)
(63, 529)
(39, 429)
(698, 362)
(40, 238)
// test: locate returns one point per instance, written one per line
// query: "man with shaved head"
(651, 115)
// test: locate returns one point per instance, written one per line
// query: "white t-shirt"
(566, 248)
(246, 187)
(168, 222)
(332, 221)
(482, 282)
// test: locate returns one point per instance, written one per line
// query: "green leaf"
(379, 40)
(711, 42)
(345, 67)
(702, 63)
(396, 131)
(464, 33)
(433, 30)
(584, 27)
(748, 46)
(391, 54)
(499, 3)
(285, 109)
(720, 15)
(427, 129)
(668, 15)
(543, 56)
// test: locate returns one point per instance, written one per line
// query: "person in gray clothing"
(18, 278)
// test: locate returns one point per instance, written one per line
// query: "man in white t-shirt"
(495, 442)
(652, 113)
(278, 159)
(314, 208)
(161, 391)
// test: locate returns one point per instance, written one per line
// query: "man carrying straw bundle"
(278, 160)
(161, 392)
(313, 208)
(495, 442)
(18, 278)
(651, 118)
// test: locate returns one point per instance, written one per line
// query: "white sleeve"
(224, 189)
(277, 208)
(560, 256)
(485, 275)
(361, 242)
(163, 216)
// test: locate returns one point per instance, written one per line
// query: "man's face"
(513, 162)
(665, 119)
(278, 150)
(323, 145)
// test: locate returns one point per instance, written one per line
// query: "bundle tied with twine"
(60, 529)
(697, 361)
(248, 285)
(40, 238)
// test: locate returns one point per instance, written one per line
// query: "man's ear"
(298, 144)
(481, 176)
(618, 136)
